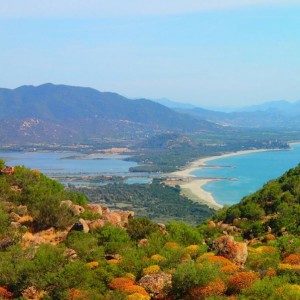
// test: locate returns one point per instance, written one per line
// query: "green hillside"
(54, 245)
(276, 207)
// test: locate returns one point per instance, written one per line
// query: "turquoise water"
(248, 171)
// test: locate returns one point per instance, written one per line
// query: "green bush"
(183, 233)
(85, 245)
(192, 274)
(140, 228)
(112, 238)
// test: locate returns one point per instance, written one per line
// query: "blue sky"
(210, 53)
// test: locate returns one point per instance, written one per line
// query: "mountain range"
(67, 114)
(273, 115)
(60, 113)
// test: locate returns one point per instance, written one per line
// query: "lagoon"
(246, 173)
(54, 163)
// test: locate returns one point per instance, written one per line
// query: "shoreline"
(192, 186)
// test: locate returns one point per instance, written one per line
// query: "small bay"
(241, 175)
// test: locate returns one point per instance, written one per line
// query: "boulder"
(99, 223)
(76, 209)
(211, 224)
(22, 210)
(95, 208)
(81, 225)
(143, 242)
(125, 215)
(70, 254)
(16, 189)
(105, 210)
(31, 293)
(5, 242)
(113, 217)
(15, 216)
(113, 256)
(236, 252)
(8, 170)
(157, 285)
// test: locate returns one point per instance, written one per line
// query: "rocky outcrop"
(70, 254)
(143, 243)
(81, 225)
(236, 252)
(95, 208)
(5, 242)
(228, 228)
(157, 285)
(74, 208)
(118, 218)
(31, 293)
(8, 170)
(96, 224)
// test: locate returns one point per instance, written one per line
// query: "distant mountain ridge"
(274, 114)
(61, 113)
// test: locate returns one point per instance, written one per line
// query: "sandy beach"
(193, 187)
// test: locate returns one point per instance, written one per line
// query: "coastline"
(193, 187)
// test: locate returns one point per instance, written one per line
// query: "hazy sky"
(210, 53)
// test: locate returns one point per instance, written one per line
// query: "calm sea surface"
(244, 174)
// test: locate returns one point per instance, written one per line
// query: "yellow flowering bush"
(158, 258)
(151, 270)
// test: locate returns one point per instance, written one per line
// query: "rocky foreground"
(56, 245)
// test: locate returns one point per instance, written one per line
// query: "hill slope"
(60, 113)
(41, 257)
(274, 208)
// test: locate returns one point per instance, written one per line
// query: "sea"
(238, 175)
(241, 175)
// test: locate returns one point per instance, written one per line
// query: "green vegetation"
(275, 207)
(169, 151)
(155, 201)
(40, 256)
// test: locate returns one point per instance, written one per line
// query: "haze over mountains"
(274, 114)
(67, 114)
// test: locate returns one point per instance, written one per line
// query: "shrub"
(89, 215)
(85, 245)
(229, 269)
(214, 288)
(158, 258)
(140, 228)
(4, 293)
(112, 238)
(137, 296)
(121, 283)
(183, 233)
(292, 259)
(193, 250)
(191, 274)
(132, 289)
(267, 288)
(172, 245)
(242, 280)
(151, 270)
